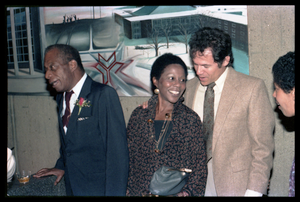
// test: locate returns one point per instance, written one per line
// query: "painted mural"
(118, 45)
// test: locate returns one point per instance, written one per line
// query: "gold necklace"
(163, 131)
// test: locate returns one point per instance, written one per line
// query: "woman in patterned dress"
(166, 133)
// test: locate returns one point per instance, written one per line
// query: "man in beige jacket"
(243, 143)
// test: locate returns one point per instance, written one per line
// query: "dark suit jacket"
(94, 152)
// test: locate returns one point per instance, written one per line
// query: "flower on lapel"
(82, 103)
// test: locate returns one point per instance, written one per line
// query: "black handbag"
(168, 181)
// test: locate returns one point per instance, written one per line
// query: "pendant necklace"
(163, 132)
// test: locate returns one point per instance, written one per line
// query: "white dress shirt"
(199, 97)
(76, 89)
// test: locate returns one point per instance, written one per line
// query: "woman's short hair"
(284, 72)
(162, 62)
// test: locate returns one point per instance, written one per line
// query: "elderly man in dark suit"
(93, 154)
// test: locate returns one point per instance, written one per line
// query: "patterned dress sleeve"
(131, 130)
(197, 181)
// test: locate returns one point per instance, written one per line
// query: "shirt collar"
(77, 88)
(219, 82)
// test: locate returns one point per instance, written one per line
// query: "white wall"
(271, 34)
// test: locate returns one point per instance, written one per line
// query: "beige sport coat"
(243, 140)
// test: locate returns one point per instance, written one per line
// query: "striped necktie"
(67, 114)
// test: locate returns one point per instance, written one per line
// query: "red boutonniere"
(82, 103)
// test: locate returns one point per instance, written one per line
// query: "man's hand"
(50, 171)
(183, 194)
(145, 105)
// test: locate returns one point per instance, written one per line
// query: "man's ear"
(293, 93)
(226, 61)
(73, 65)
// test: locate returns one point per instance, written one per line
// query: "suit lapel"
(229, 93)
(59, 101)
(191, 89)
(86, 88)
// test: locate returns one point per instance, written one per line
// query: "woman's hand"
(145, 105)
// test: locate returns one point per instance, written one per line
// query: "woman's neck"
(163, 108)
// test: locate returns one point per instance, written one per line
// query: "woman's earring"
(156, 91)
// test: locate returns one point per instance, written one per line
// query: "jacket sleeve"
(116, 143)
(60, 162)
(197, 180)
(261, 122)
(131, 130)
